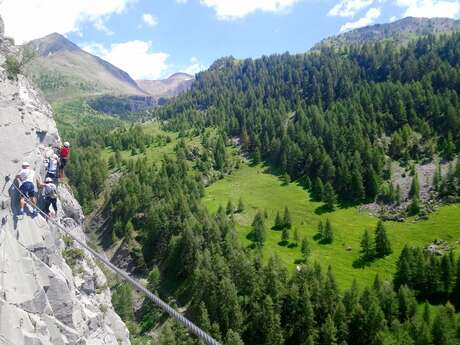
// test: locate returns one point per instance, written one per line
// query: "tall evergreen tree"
(382, 243)
(329, 196)
(287, 221)
(233, 338)
(305, 249)
(258, 228)
(414, 191)
(328, 232)
(279, 224)
(329, 332)
(285, 235)
(456, 290)
(367, 248)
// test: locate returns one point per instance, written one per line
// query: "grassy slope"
(154, 153)
(261, 190)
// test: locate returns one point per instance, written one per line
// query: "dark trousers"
(48, 202)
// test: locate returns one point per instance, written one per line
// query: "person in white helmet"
(27, 187)
(64, 154)
(50, 195)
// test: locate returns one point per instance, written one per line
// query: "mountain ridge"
(64, 70)
(172, 86)
(400, 31)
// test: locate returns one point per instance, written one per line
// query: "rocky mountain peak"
(53, 43)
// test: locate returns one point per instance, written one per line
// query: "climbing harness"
(194, 329)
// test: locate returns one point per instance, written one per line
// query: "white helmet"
(48, 180)
(25, 164)
(66, 144)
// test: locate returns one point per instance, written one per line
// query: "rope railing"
(194, 329)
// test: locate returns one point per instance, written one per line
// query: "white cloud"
(134, 57)
(194, 67)
(348, 8)
(234, 9)
(29, 19)
(100, 25)
(149, 19)
(393, 19)
(430, 8)
(368, 19)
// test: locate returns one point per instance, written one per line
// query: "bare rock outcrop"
(44, 301)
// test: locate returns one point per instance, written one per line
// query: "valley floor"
(261, 190)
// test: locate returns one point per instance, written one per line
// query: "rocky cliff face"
(43, 300)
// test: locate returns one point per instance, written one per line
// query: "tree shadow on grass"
(293, 245)
(299, 261)
(323, 209)
(283, 243)
(362, 262)
(317, 237)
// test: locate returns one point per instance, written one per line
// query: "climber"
(53, 166)
(50, 195)
(64, 154)
(27, 188)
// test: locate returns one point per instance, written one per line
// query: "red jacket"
(64, 152)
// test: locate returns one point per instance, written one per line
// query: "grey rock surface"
(43, 301)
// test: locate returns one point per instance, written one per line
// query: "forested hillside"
(401, 31)
(335, 116)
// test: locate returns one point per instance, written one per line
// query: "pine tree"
(296, 237)
(329, 196)
(287, 222)
(404, 272)
(447, 273)
(122, 300)
(449, 147)
(286, 179)
(367, 250)
(407, 303)
(329, 332)
(279, 224)
(321, 229)
(230, 208)
(285, 235)
(328, 232)
(305, 249)
(456, 290)
(258, 228)
(233, 338)
(372, 183)
(382, 243)
(443, 330)
(256, 156)
(414, 191)
(357, 186)
(437, 178)
(318, 189)
(414, 207)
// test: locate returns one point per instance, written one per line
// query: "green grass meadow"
(261, 190)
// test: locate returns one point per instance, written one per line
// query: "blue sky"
(155, 38)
